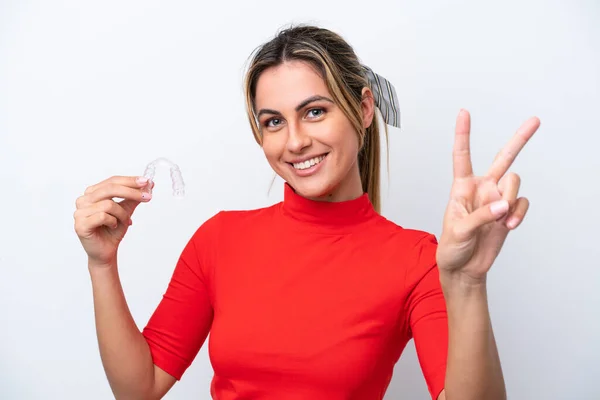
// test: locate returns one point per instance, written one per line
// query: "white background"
(94, 89)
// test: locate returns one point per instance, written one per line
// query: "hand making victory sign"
(482, 209)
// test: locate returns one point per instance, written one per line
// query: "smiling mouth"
(308, 163)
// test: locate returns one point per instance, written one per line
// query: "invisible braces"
(176, 178)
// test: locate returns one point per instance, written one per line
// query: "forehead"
(286, 85)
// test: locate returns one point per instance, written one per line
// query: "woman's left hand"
(482, 209)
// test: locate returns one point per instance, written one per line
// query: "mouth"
(301, 166)
(308, 167)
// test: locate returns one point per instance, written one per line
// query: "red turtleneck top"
(303, 300)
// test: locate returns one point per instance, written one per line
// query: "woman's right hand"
(101, 222)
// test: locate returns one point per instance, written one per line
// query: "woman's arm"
(124, 351)
(482, 210)
(473, 368)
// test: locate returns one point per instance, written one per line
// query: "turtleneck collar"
(326, 216)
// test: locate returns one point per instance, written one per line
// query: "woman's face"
(307, 139)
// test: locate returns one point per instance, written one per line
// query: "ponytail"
(369, 164)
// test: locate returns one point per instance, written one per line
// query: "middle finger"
(509, 153)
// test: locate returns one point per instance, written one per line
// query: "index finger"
(509, 153)
(114, 190)
(461, 153)
(129, 181)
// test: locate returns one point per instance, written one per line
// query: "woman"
(314, 297)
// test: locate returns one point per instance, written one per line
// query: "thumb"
(129, 205)
(484, 215)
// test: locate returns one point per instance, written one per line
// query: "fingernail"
(130, 222)
(512, 222)
(141, 180)
(146, 196)
(499, 207)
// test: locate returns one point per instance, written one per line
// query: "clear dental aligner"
(176, 178)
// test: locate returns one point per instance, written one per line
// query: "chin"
(312, 188)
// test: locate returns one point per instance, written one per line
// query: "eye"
(273, 122)
(315, 112)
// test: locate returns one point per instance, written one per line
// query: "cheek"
(346, 146)
(273, 148)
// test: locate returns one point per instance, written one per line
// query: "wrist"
(101, 267)
(109, 261)
(460, 284)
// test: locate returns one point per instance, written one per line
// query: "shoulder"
(235, 220)
(221, 230)
(403, 237)
(414, 249)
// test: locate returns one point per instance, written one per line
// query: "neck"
(333, 217)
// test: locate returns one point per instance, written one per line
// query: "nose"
(297, 139)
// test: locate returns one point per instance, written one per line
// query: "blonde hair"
(345, 78)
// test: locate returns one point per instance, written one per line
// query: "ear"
(368, 107)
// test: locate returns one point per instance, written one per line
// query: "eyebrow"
(298, 107)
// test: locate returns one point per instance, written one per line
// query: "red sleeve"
(180, 324)
(427, 315)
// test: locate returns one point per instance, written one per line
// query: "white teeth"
(308, 163)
